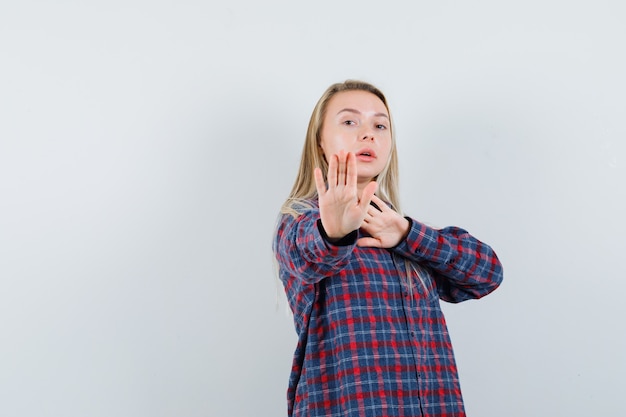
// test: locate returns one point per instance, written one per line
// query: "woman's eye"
(381, 127)
(349, 122)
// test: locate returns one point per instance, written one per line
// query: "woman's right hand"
(342, 210)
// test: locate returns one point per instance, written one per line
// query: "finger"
(332, 171)
(370, 229)
(374, 206)
(351, 173)
(380, 203)
(341, 176)
(319, 182)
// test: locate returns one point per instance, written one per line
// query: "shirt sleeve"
(463, 267)
(304, 252)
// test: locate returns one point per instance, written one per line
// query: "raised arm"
(318, 242)
(464, 267)
(303, 251)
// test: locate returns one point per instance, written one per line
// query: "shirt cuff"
(347, 240)
(421, 243)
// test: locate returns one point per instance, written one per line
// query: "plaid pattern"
(368, 343)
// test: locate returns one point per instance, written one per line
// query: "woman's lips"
(365, 155)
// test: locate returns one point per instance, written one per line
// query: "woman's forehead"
(362, 101)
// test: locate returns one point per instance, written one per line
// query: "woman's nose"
(367, 134)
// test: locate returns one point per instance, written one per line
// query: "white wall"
(145, 148)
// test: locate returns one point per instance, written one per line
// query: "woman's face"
(358, 122)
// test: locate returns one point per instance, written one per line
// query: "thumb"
(368, 193)
(369, 242)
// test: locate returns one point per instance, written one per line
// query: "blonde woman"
(363, 280)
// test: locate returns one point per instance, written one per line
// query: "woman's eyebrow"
(358, 112)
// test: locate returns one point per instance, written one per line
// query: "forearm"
(303, 249)
(465, 267)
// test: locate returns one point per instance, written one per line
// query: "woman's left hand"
(386, 227)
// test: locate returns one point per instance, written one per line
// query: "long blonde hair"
(312, 156)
